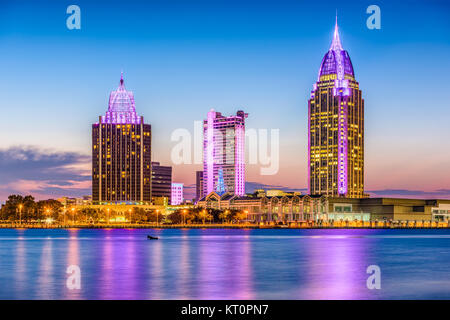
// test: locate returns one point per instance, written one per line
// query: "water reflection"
(106, 277)
(220, 264)
(20, 265)
(336, 268)
(156, 270)
(73, 258)
(45, 279)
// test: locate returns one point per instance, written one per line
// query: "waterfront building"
(224, 153)
(386, 209)
(294, 207)
(198, 185)
(121, 153)
(336, 128)
(68, 201)
(260, 207)
(161, 184)
(177, 194)
(441, 211)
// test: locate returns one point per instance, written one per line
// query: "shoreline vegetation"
(21, 212)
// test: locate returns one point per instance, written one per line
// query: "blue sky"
(182, 58)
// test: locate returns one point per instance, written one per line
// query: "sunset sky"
(182, 58)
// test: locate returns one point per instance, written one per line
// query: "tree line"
(27, 209)
(202, 216)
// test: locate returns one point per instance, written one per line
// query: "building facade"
(386, 209)
(177, 197)
(336, 128)
(121, 153)
(161, 183)
(224, 153)
(260, 207)
(198, 185)
(293, 207)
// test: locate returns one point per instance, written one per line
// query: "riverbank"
(289, 225)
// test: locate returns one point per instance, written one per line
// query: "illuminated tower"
(224, 153)
(121, 157)
(336, 127)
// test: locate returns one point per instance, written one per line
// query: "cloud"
(43, 173)
(250, 187)
(420, 194)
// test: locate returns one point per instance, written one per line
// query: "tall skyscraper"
(121, 153)
(199, 185)
(224, 153)
(336, 127)
(161, 183)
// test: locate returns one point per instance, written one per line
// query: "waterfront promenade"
(287, 225)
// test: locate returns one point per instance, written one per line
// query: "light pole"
(20, 213)
(107, 216)
(184, 217)
(129, 211)
(73, 215)
(47, 211)
(157, 216)
(226, 214)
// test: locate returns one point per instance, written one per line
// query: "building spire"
(336, 44)
(121, 78)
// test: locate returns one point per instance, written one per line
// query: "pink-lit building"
(177, 194)
(224, 153)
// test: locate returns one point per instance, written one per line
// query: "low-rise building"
(292, 207)
(396, 209)
(261, 208)
(177, 194)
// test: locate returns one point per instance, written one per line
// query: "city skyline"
(178, 80)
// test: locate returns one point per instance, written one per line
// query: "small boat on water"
(152, 238)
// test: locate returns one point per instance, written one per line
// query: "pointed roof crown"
(336, 60)
(121, 107)
(336, 43)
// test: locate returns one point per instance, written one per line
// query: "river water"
(224, 264)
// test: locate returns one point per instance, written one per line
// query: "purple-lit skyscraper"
(336, 127)
(224, 153)
(121, 153)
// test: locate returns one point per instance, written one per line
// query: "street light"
(157, 215)
(47, 211)
(129, 211)
(73, 214)
(20, 213)
(107, 216)
(184, 217)
(64, 213)
(226, 214)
